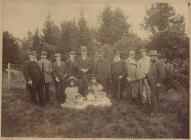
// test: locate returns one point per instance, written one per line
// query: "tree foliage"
(112, 26)
(10, 48)
(50, 31)
(167, 30)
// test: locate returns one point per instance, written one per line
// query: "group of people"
(86, 81)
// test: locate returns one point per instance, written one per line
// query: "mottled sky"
(20, 17)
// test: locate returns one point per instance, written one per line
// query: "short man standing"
(85, 67)
(118, 72)
(59, 69)
(46, 68)
(34, 79)
(156, 76)
(72, 65)
(102, 69)
(143, 66)
(133, 84)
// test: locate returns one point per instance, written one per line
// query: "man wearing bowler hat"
(46, 68)
(60, 73)
(85, 67)
(34, 79)
(156, 76)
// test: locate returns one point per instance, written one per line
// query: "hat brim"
(72, 78)
(143, 50)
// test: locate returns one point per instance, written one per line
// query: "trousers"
(155, 91)
(37, 92)
(60, 92)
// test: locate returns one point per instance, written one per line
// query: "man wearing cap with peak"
(155, 77)
(34, 79)
(85, 67)
(131, 76)
(143, 66)
(102, 69)
(46, 68)
(72, 65)
(60, 73)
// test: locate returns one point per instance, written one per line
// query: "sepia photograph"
(95, 69)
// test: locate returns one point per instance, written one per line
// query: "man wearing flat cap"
(60, 73)
(72, 65)
(143, 66)
(34, 79)
(46, 68)
(156, 77)
(85, 67)
(131, 76)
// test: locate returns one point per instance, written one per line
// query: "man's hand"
(48, 71)
(30, 82)
(128, 79)
(84, 70)
(120, 77)
(57, 80)
(158, 85)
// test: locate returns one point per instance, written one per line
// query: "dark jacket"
(103, 69)
(118, 69)
(85, 64)
(31, 71)
(72, 68)
(156, 74)
(59, 71)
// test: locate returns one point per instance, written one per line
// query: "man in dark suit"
(45, 66)
(102, 69)
(60, 71)
(34, 79)
(85, 67)
(72, 65)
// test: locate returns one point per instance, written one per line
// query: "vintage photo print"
(95, 69)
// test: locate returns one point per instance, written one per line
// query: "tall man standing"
(59, 69)
(131, 76)
(102, 69)
(85, 67)
(155, 77)
(118, 72)
(34, 79)
(143, 66)
(46, 68)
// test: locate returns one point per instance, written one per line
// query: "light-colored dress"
(100, 97)
(71, 100)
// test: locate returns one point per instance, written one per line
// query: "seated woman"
(96, 96)
(73, 98)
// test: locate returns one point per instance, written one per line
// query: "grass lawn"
(121, 120)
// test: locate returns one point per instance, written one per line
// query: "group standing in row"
(142, 78)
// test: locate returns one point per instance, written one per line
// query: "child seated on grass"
(73, 98)
(96, 96)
